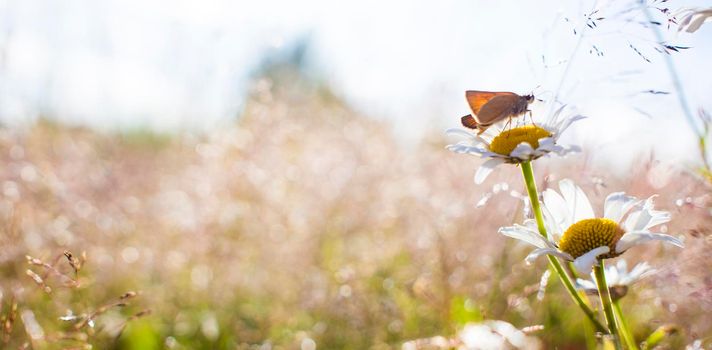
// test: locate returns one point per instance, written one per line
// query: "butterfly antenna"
(545, 92)
(531, 117)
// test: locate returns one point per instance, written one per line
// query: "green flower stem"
(528, 173)
(605, 295)
(555, 264)
(624, 329)
(574, 295)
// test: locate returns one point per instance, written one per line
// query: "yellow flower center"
(507, 140)
(589, 234)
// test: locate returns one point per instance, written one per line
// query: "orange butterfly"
(490, 107)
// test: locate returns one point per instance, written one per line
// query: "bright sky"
(170, 64)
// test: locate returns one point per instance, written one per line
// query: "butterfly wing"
(469, 121)
(477, 99)
(498, 108)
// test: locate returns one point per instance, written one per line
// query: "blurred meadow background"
(273, 175)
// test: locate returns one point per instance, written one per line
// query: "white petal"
(464, 147)
(642, 216)
(537, 153)
(585, 284)
(486, 168)
(553, 229)
(621, 266)
(699, 19)
(552, 234)
(631, 239)
(617, 205)
(526, 234)
(643, 219)
(577, 201)
(484, 139)
(513, 335)
(546, 144)
(567, 122)
(639, 271)
(457, 147)
(523, 151)
(565, 151)
(584, 263)
(631, 220)
(657, 217)
(488, 154)
(531, 224)
(613, 275)
(547, 251)
(556, 205)
(646, 217)
(562, 151)
(557, 149)
(685, 21)
(553, 123)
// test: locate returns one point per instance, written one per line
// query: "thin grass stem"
(673, 73)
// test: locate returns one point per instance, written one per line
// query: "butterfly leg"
(508, 126)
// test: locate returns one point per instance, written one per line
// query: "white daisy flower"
(485, 335)
(577, 235)
(618, 278)
(691, 19)
(500, 145)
